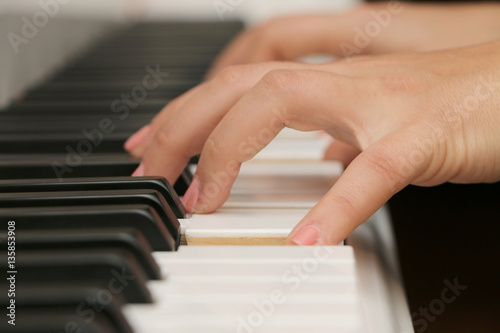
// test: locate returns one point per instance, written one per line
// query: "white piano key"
(293, 150)
(252, 279)
(166, 307)
(292, 145)
(325, 298)
(263, 209)
(214, 288)
(286, 261)
(240, 268)
(338, 253)
(265, 204)
(242, 226)
(281, 200)
(275, 185)
(293, 177)
(235, 287)
(291, 134)
(210, 323)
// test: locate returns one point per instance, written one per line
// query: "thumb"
(371, 179)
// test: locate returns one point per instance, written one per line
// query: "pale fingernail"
(308, 235)
(136, 139)
(139, 172)
(190, 198)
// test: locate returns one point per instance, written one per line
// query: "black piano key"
(85, 109)
(117, 268)
(159, 184)
(116, 88)
(183, 182)
(71, 165)
(130, 239)
(71, 121)
(60, 143)
(71, 128)
(68, 307)
(173, 60)
(140, 217)
(90, 107)
(155, 50)
(188, 73)
(62, 318)
(85, 198)
(74, 96)
(195, 159)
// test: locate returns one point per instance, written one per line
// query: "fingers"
(339, 151)
(281, 98)
(272, 41)
(370, 180)
(136, 139)
(139, 141)
(182, 129)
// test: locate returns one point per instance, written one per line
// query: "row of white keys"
(265, 204)
(252, 289)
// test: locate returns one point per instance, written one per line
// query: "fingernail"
(136, 138)
(308, 235)
(190, 198)
(139, 172)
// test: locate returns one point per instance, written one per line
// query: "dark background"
(445, 232)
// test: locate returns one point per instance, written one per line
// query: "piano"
(87, 248)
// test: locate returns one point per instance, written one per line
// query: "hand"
(418, 118)
(403, 27)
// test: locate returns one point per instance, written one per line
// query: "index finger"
(303, 100)
(183, 134)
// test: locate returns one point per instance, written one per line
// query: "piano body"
(99, 251)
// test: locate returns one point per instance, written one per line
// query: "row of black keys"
(83, 249)
(52, 116)
(79, 241)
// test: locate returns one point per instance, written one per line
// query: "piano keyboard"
(99, 251)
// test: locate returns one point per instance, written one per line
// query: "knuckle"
(212, 149)
(163, 137)
(281, 80)
(383, 163)
(346, 205)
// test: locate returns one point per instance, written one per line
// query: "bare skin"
(420, 118)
